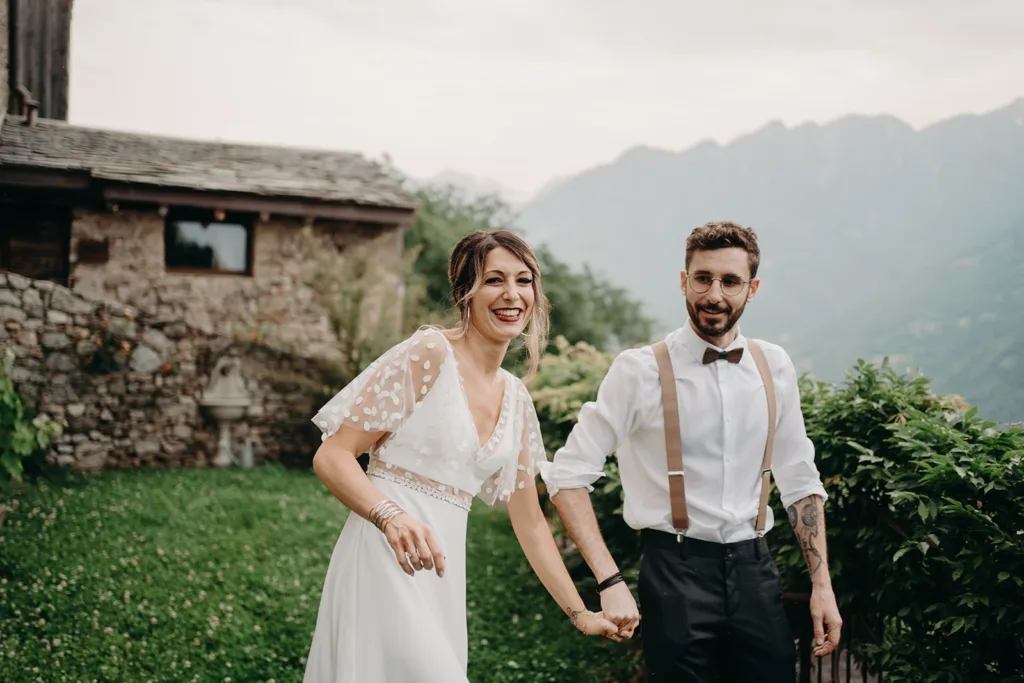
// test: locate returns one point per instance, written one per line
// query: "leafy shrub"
(370, 303)
(925, 518)
(566, 379)
(22, 435)
(925, 525)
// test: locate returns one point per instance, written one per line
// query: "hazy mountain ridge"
(843, 210)
(962, 325)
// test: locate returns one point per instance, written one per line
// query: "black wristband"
(610, 581)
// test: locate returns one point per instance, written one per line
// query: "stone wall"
(128, 384)
(273, 304)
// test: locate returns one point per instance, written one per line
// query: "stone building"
(130, 263)
(207, 233)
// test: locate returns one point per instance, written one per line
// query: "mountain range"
(877, 240)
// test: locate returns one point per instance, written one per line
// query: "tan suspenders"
(674, 440)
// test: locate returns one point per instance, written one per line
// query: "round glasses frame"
(731, 289)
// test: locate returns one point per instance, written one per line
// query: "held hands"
(826, 620)
(593, 624)
(619, 607)
(413, 542)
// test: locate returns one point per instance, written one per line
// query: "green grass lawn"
(216, 576)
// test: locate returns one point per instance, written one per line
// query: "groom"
(700, 422)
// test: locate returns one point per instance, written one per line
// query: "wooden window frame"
(208, 217)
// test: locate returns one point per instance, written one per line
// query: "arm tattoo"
(804, 518)
(574, 614)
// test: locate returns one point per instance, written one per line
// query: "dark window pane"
(34, 241)
(220, 247)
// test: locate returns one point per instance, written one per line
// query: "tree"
(585, 307)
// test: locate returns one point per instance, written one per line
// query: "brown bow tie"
(711, 355)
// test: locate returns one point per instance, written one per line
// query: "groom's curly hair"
(721, 235)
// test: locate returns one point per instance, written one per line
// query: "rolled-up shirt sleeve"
(793, 466)
(601, 426)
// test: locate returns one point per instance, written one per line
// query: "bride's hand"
(594, 624)
(414, 544)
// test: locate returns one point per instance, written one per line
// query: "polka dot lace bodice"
(414, 392)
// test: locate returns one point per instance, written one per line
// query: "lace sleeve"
(529, 449)
(385, 394)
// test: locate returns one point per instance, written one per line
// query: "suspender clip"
(675, 473)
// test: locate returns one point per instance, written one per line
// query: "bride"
(443, 422)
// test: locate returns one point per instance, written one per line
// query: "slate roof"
(200, 165)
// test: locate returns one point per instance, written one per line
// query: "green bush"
(925, 526)
(566, 379)
(22, 435)
(925, 518)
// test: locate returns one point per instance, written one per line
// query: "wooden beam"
(286, 206)
(44, 178)
(62, 179)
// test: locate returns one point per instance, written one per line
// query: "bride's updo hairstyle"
(465, 275)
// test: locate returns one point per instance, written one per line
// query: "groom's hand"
(619, 607)
(826, 621)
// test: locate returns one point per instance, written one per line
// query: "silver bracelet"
(386, 517)
(381, 513)
(377, 510)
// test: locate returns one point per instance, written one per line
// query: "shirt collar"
(687, 337)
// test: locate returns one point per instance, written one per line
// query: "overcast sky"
(521, 91)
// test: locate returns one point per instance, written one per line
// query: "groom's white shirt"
(724, 424)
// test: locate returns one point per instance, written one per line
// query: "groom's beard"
(718, 328)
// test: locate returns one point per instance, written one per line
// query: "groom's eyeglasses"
(731, 284)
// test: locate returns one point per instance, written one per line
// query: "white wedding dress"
(377, 624)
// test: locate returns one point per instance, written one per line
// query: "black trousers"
(712, 612)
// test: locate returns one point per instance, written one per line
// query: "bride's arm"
(373, 405)
(336, 465)
(534, 534)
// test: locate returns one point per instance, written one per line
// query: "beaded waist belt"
(417, 482)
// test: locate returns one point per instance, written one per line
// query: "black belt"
(661, 540)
